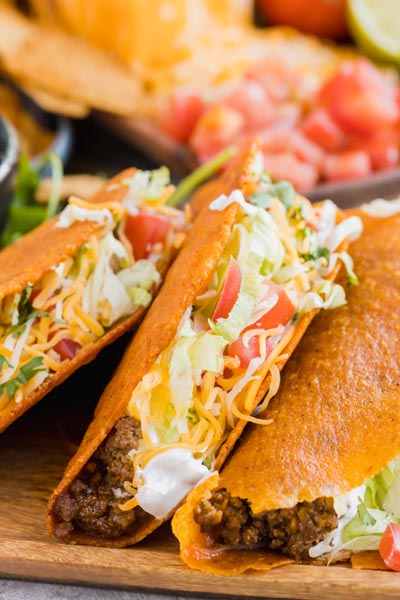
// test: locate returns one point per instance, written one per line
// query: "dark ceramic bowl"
(9, 153)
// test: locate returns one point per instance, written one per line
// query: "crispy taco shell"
(188, 277)
(34, 255)
(335, 416)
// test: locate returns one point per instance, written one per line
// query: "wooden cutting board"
(33, 454)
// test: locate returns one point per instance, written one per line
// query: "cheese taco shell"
(334, 424)
(148, 424)
(51, 323)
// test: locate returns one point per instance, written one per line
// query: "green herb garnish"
(25, 373)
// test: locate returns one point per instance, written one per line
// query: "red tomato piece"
(67, 348)
(144, 230)
(280, 313)
(305, 149)
(319, 127)
(383, 151)
(253, 102)
(389, 546)
(247, 353)
(277, 76)
(218, 127)
(182, 113)
(360, 97)
(283, 165)
(229, 292)
(324, 18)
(351, 164)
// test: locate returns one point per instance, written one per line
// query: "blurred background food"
(180, 80)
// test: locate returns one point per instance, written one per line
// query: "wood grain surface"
(33, 454)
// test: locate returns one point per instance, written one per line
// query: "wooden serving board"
(33, 454)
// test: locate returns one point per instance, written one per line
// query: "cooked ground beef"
(292, 530)
(90, 504)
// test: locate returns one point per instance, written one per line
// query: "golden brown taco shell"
(31, 257)
(187, 278)
(335, 417)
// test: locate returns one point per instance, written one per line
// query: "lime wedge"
(375, 27)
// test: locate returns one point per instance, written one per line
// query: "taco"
(258, 263)
(80, 280)
(321, 483)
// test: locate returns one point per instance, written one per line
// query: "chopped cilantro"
(25, 373)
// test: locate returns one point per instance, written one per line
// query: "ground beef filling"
(90, 504)
(292, 530)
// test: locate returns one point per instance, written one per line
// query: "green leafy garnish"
(200, 175)
(319, 253)
(25, 373)
(283, 190)
(23, 213)
(26, 312)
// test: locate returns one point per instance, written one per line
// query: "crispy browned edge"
(187, 278)
(32, 256)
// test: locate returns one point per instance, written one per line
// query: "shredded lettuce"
(378, 504)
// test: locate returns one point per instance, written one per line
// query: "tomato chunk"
(229, 292)
(67, 348)
(286, 166)
(144, 230)
(246, 353)
(360, 98)
(253, 102)
(182, 113)
(389, 546)
(352, 164)
(280, 313)
(320, 127)
(218, 127)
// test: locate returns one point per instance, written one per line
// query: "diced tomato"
(219, 127)
(351, 164)
(319, 127)
(360, 97)
(280, 313)
(286, 166)
(253, 102)
(182, 113)
(247, 353)
(383, 151)
(67, 348)
(144, 230)
(229, 292)
(277, 76)
(389, 546)
(305, 149)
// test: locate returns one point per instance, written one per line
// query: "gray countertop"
(27, 590)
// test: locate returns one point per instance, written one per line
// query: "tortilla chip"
(50, 60)
(55, 104)
(84, 186)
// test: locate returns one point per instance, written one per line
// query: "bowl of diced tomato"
(346, 129)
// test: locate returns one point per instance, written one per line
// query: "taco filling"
(327, 528)
(272, 272)
(82, 297)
